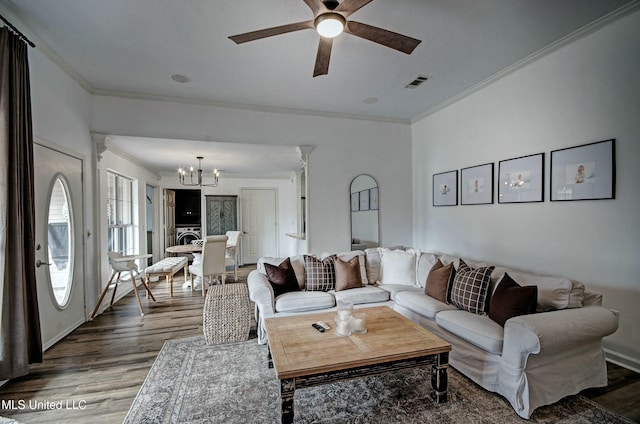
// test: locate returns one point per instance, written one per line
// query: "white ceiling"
(134, 46)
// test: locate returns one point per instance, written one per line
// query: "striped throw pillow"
(470, 287)
(320, 275)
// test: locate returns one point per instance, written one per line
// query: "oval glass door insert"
(60, 243)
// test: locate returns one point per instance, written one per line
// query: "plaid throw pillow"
(320, 275)
(470, 288)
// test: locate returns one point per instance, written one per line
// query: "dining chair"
(231, 255)
(213, 261)
(119, 264)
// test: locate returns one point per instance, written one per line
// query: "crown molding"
(246, 107)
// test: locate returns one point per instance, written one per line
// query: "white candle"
(344, 314)
(343, 327)
(359, 323)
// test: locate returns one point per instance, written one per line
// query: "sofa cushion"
(470, 287)
(368, 294)
(301, 301)
(347, 256)
(439, 281)
(320, 275)
(510, 300)
(394, 289)
(348, 274)
(398, 266)
(553, 292)
(479, 330)
(282, 277)
(426, 261)
(422, 304)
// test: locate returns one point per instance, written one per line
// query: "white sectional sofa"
(533, 360)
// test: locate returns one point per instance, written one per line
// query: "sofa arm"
(555, 331)
(261, 292)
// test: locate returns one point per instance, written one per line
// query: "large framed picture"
(586, 172)
(476, 185)
(445, 188)
(521, 180)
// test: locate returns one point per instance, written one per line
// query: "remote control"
(323, 325)
(318, 327)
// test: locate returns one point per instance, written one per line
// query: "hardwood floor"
(94, 374)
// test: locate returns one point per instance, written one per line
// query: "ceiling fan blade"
(385, 37)
(347, 7)
(316, 6)
(270, 32)
(323, 56)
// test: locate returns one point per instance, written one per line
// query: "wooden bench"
(166, 268)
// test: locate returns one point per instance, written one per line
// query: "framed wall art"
(521, 180)
(355, 202)
(445, 188)
(373, 198)
(476, 185)
(364, 200)
(586, 172)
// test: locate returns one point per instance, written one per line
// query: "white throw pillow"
(399, 266)
(553, 292)
(426, 261)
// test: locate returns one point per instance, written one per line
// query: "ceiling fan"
(330, 19)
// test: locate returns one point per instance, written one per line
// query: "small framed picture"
(445, 188)
(586, 172)
(521, 180)
(373, 198)
(476, 186)
(364, 200)
(355, 202)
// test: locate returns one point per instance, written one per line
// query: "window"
(60, 242)
(120, 214)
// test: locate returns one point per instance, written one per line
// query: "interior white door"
(259, 223)
(169, 218)
(59, 243)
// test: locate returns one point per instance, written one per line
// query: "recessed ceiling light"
(179, 78)
(370, 100)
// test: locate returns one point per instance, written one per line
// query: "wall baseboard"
(622, 360)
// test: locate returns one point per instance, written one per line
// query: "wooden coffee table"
(304, 357)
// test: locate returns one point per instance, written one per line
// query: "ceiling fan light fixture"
(330, 24)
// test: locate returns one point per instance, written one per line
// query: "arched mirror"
(364, 213)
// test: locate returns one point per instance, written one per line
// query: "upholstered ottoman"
(167, 267)
(226, 316)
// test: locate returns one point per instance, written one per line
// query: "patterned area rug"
(191, 382)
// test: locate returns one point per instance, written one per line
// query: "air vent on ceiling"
(416, 82)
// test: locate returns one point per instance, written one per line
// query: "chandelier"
(198, 181)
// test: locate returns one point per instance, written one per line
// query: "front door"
(59, 242)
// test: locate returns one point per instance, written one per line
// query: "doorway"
(259, 223)
(59, 242)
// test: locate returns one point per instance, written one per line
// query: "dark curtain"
(20, 339)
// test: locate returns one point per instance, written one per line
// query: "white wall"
(61, 115)
(344, 149)
(286, 203)
(111, 161)
(586, 91)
